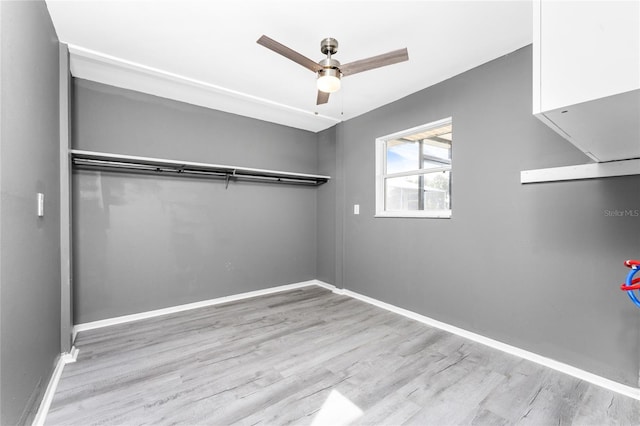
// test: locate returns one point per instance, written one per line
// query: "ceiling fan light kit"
(329, 70)
(329, 80)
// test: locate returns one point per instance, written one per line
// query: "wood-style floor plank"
(275, 359)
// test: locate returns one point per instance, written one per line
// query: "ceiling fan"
(329, 70)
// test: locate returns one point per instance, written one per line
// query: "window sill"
(444, 214)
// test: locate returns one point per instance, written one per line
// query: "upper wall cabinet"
(586, 76)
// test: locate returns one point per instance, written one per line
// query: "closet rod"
(101, 160)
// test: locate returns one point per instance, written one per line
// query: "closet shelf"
(106, 161)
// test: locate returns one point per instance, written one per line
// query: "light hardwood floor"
(275, 359)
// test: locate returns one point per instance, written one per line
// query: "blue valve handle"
(629, 283)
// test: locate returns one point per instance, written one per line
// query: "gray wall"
(148, 242)
(536, 266)
(29, 246)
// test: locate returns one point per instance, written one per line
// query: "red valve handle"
(632, 263)
(634, 285)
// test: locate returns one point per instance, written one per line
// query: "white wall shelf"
(106, 161)
(582, 171)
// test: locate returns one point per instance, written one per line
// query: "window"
(413, 172)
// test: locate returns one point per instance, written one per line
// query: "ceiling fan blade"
(289, 53)
(323, 97)
(375, 62)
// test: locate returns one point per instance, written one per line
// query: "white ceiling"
(205, 52)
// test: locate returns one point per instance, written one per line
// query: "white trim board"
(95, 66)
(495, 344)
(582, 171)
(45, 404)
(195, 305)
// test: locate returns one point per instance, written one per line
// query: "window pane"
(402, 156)
(437, 193)
(436, 152)
(435, 156)
(401, 193)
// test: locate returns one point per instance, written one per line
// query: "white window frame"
(381, 159)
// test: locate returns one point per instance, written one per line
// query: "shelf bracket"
(227, 178)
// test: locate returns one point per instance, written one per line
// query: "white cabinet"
(586, 83)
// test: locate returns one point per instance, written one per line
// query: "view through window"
(414, 172)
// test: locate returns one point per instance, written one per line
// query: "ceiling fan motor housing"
(329, 63)
(333, 72)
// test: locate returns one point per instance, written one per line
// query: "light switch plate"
(356, 209)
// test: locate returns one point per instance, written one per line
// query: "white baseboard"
(329, 287)
(179, 308)
(522, 353)
(47, 398)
